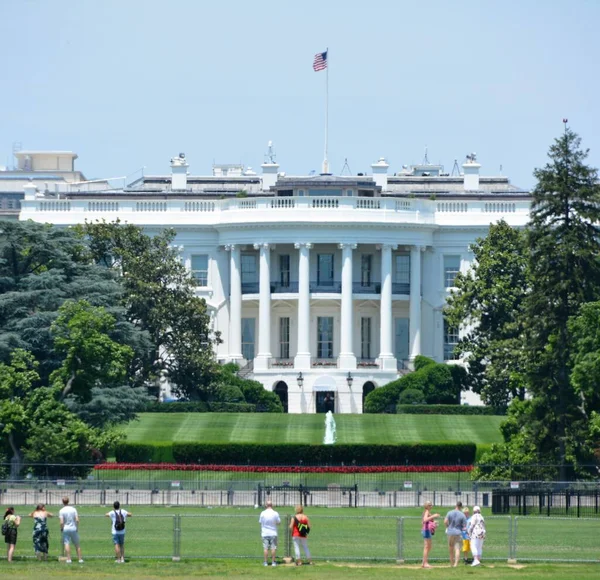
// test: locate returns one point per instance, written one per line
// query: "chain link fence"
(348, 538)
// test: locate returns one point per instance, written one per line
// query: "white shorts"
(70, 537)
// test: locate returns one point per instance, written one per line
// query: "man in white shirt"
(269, 520)
(118, 517)
(69, 526)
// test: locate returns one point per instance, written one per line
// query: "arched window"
(368, 387)
(281, 390)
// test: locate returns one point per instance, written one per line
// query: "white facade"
(322, 287)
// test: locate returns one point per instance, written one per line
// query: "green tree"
(564, 270)
(488, 305)
(160, 298)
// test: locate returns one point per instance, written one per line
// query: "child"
(466, 543)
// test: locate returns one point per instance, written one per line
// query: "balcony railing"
(250, 287)
(365, 363)
(362, 288)
(282, 288)
(403, 366)
(400, 288)
(324, 362)
(332, 287)
(275, 363)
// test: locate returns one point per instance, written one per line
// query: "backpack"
(119, 521)
(303, 528)
(5, 527)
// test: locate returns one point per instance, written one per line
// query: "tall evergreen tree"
(564, 266)
(488, 305)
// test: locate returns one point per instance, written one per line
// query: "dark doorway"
(281, 390)
(325, 401)
(368, 387)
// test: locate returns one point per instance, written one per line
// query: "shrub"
(177, 407)
(422, 361)
(229, 394)
(219, 407)
(151, 452)
(446, 410)
(411, 397)
(439, 385)
(383, 399)
(265, 401)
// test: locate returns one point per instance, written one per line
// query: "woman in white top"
(476, 532)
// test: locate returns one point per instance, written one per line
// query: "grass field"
(280, 428)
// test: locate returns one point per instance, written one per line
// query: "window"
(402, 273)
(450, 342)
(365, 269)
(325, 337)
(402, 326)
(451, 269)
(325, 269)
(284, 270)
(284, 337)
(200, 269)
(248, 337)
(365, 338)
(249, 273)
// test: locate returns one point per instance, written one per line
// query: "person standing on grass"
(69, 526)
(40, 531)
(476, 531)
(428, 525)
(118, 518)
(10, 538)
(455, 522)
(300, 527)
(269, 520)
(466, 542)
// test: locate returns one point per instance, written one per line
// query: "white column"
(302, 359)
(264, 308)
(346, 359)
(415, 301)
(235, 303)
(387, 360)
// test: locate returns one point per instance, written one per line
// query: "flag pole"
(325, 161)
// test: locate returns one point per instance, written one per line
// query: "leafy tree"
(564, 267)
(488, 305)
(160, 298)
(253, 391)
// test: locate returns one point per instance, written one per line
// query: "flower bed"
(287, 468)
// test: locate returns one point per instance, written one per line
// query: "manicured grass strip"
(274, 428)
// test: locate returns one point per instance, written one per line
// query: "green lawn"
(279, 428)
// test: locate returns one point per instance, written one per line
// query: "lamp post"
(300, 379)
(349, 379)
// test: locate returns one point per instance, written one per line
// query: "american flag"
(320, 62)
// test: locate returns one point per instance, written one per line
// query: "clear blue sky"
(130, 83)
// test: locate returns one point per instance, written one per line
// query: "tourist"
(476, 532)
(455, 523)
(10, 538)
(300, 527)
(466, 543)
(40, 531)
(269, 520)
(69, 526)
(118, 518)
(428, 525)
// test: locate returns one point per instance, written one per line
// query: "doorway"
(325, 401)
(281, 390)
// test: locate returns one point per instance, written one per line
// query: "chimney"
(179, 169)
(380, 170)
(270, 169)
(30, 190)
(471, 173)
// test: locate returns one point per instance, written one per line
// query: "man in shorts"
(455, 522)
(118, 535)
(69, 525)
(269, 520)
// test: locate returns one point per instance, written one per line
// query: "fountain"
(330, 436)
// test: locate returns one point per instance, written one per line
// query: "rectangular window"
(402, 326)
(284, 270)
(284, 337)
(402, 273)
(325, 269)
(248, 337)
(325, 337)
(365, 338)
(450, 342)
(200, 269)
(249, 271)
(366, 261)
(451, 269)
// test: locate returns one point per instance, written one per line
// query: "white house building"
(323, 287)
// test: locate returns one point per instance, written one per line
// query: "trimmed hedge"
(218, 407)
(289, 454)
(152, 452)
(178, 407)
(446, 410)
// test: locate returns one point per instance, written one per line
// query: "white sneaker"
(81, 561)
(274, 564)
(475, 563)
(69, 562)
(265, 564)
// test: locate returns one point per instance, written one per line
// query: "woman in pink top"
(428, 525)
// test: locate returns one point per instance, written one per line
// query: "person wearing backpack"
(9, 530)
(300, 528)
(118, 518)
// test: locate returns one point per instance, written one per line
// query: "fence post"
(515, 539)
(400, 541)
(356, 495)
(176, 538)
(288, 538)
